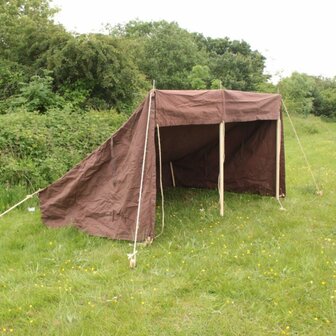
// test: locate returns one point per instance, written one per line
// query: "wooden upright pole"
(221, 166)
(278, 151)
(172, 173)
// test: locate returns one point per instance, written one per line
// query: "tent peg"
(132, 259)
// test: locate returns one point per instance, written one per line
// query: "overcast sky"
(294, 35)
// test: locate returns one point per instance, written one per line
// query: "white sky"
(294, 35)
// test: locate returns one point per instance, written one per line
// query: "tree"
(27, 32)
(325, 97)
(166, 52)
(37, 95)
(199, 77)
(297, 91)
(11, 75)
(114, 70)
(235, 64)
(97, 65)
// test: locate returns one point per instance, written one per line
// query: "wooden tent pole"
(221, 166)
(278, 148)
(172, 173)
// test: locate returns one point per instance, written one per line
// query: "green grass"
(257, 271)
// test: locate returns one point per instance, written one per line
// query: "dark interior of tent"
(190, 156)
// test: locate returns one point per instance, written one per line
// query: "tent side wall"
(100, 194)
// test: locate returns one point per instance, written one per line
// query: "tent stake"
(221, 166)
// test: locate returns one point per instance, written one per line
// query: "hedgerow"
(36, 149)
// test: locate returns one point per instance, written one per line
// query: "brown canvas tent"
(112, 193)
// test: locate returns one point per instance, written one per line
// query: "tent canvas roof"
(201, 107)
(101, 194)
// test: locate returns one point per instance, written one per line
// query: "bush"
(37, 149)
(11, 75)
(306, 95)
(297, 91)
(325, 97)
(37, 94)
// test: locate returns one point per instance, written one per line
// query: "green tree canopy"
(27, 30)
(297, 91)
(306, 94)
(98, 65)
(199, 77)
(325, 97)
(235, 64)
(112, 70)
(167, 53)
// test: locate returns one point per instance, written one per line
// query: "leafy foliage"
(297, 91)
(306, 94)
(199, 77)
(42, 66)
(95, 67)
(234, 63)
(37, 95)
(32, 145)
(95, 64)
(27, 32)
(11, 75)
(325, 97)
(102, 71)
(167, 54)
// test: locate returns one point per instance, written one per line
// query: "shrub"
(297, 91)
(37, 94)
(37, 149)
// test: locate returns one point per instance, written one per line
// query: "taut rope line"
(17, 204)
(318, 190)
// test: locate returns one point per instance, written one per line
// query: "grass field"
(257, 271)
